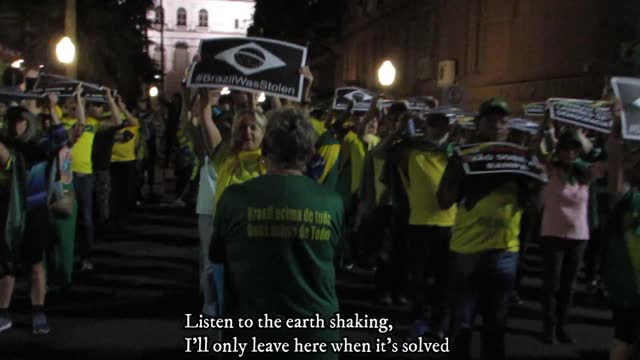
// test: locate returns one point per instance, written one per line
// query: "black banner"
(250, 64)
(628, 91)
(500, 158)
(583, 113)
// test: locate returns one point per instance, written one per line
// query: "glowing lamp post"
(386, 74)
(17, 64)
(65, 50)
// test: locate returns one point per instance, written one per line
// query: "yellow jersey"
(125, 150)
(425, 173)
(82, 150)
(238, 168)
(493, 223)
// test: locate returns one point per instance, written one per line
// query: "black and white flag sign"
(628, 91)
(583, 113)
(500, 158)
(250, 64)
(63, 86)
(360, 97)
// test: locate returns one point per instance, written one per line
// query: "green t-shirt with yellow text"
(278, 237)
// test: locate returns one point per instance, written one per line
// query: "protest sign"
(250, 64)
(500, 158)
(63, 86)
(583, 113)
(535, 109)
(10, 96)
(628, 91)
(360, 97)
(417, 104)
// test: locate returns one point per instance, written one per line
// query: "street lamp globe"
(17, 64)
(153, 91)
(65, 50)
(386, 73)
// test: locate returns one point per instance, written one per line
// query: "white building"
(186, 22)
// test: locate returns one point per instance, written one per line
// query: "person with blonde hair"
(277, 236)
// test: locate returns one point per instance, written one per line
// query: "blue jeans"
(84, 187)
(483, 281)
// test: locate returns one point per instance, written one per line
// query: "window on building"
(237, 23)
(203, 18)
(159, 15)
(182, 17)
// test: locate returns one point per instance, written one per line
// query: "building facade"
(522, 50)
(186, 22)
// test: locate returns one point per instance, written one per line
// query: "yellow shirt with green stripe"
(357, 150)
(83, 148)
(493, 223)
(425, 173)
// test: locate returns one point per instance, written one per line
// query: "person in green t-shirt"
(277, 237)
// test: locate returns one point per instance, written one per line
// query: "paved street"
(132, 306)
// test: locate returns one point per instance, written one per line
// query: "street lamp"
(65, 50)
(17, 64)
(262, 97)
(153, 91)
(386, 73)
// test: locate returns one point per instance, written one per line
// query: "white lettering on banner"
(600, 117)
(263, 85)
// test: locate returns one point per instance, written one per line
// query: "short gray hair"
(289, 139)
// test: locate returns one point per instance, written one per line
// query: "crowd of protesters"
(385, 188)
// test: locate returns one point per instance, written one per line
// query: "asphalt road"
(133, 305)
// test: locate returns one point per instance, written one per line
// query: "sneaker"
(436, 334)
(516, 300)
(40, 324)
(564, 337)
(418, 329)
(86, 266)
(179, 203)
(5, 324)
(402, 300)
(385, 300)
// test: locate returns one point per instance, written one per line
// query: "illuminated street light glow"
(386, 73)
(225, 91)
(65, 50)
(153, 91)
(17, 64)
(262, 97)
